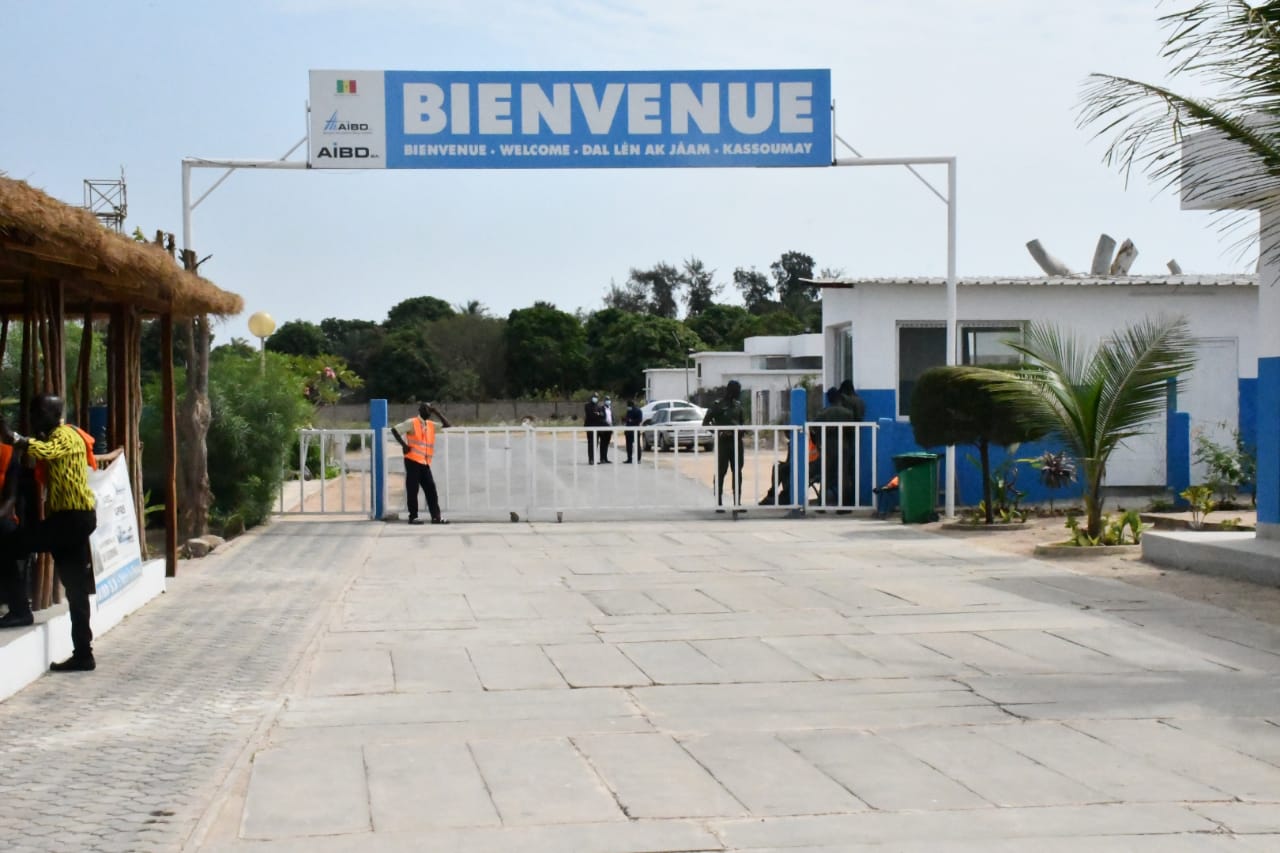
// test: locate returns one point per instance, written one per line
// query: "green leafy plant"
(1057, 470)
(1229, 468)
(1125, 529)
(1229, 524)
(1202, 503)
(1005, 496)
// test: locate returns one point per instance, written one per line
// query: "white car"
(677, 427)
(647, 411)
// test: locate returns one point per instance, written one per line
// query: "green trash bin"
(917, 486)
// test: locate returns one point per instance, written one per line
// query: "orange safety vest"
(422, 441)
(6, 456)
(42, 469)
(814, 453)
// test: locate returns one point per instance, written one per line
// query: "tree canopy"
(956, 405)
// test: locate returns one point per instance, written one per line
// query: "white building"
(768, 367)
(883, 333)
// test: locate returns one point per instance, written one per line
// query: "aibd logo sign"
(345, 152)
(334, 124)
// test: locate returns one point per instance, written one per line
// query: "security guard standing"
(418, 438)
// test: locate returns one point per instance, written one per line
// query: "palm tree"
(1095, 399)
(1233, 48)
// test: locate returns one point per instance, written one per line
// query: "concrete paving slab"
(346, 672)
(430, 670)
(769, 777)
(944, 828)
(881, 774)
(653, 776)
(426, 786)
(594, 665)
(538, 782)
(514, 668)
(999, 774)
(612, 837)
(1234, 774)
(296, 792)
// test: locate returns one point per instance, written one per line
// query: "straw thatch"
(42, 237)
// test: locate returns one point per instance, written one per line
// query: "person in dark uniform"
(837, 446)
(724, 412)
(592, 416)
(634, 418)
(850, 400)
(605, 436)
(13, 554)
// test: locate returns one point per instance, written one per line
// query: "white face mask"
(595, 399)
(608, 402)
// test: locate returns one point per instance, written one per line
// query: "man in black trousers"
(635, 447)
(418, 438)
(592, 416)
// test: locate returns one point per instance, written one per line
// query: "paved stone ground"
(812, 685)
(128, 758)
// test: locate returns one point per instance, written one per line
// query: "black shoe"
(416, 521)
(606, 461)
(17, 620)
(439, 521)
(75, 663)
(720, 510)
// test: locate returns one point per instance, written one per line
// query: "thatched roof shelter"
(59, 263)
(44, 237)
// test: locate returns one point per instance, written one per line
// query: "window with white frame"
(924, 345)
(842, 365)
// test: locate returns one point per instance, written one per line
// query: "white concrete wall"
(669, 383)
(1089, 311)
(794, 346)
(719, 367)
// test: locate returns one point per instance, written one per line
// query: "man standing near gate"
(727, 412)
(418, 438)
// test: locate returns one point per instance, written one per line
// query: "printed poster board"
(117, 552)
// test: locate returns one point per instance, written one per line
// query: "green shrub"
(1230, 469)
(256, 415)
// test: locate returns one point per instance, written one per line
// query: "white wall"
(1091, 311)
(669, 383)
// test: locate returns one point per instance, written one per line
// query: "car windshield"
(685, 415)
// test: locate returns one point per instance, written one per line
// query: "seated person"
(780, 487)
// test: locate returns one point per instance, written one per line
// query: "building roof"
(43, 238)
(1239, 280)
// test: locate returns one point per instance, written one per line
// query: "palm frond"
(1133, 371)
(1234, 47)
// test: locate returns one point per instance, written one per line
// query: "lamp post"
(261, 325)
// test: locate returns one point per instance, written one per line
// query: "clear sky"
(90, 87)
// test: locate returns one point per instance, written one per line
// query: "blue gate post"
(799, 451)
(378, 423)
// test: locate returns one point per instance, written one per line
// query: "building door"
(1212, 396)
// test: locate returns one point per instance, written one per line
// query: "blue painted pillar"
(98, 428)
(378, 423)
(799, 446)
(1178, 455)
(1268, 434)
(1268, 426)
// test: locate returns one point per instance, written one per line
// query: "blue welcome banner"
(570, 119)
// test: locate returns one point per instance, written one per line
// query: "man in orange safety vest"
(418, 438)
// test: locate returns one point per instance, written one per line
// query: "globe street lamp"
(261, 325)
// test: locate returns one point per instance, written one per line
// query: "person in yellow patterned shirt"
(70, 516)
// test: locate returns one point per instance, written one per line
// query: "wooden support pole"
(84, 394)
(169, 409)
